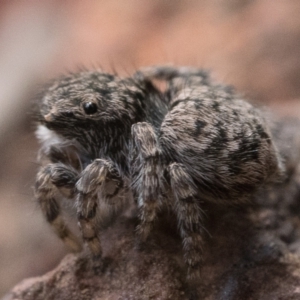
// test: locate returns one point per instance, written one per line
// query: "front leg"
(51, 179)
(89, 186)
(146, 173)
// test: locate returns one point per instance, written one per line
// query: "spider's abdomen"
(223, 143)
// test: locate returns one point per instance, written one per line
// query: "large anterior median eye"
(90, 108)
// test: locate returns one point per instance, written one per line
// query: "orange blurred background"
(254, 45)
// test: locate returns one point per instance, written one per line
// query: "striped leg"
(189, 216)
(147, 170)
(169, 72)
(51, 179)
(89, 186)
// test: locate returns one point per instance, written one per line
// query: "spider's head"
(90, 101)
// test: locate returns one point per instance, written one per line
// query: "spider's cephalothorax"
(96, 110)
(103, 135)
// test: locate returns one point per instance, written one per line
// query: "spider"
(104, 136)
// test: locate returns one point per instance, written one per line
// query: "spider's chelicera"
(103, 136)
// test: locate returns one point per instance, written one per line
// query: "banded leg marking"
(51, 179)
(146, 181)
(89, 186)
(190, 217)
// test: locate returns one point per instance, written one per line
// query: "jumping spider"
(196, 140)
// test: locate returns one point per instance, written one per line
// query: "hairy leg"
(189, 216)
(51, 179)
(147, 169)
(181, 81)
(169, 72)
(89, 186)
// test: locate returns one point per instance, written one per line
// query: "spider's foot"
(143, 231)
(95, 247)
(194, 271)
(73, 243)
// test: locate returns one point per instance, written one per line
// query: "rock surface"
(251, 252)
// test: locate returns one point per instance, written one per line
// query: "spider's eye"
(90, 108)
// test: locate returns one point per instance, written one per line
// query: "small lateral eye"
(90, 108)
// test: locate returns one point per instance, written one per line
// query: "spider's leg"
(147, 170)
(51, 179)
(189, 216)
(89, 186)
(181, 81)
(168, 72)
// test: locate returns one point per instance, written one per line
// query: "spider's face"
(91, 101)
(80, 110)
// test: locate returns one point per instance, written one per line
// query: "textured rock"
(250, 253)
(125, 273)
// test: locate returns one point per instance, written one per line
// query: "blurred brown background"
(252, 44)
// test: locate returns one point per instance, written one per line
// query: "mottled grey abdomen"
(225, 145)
